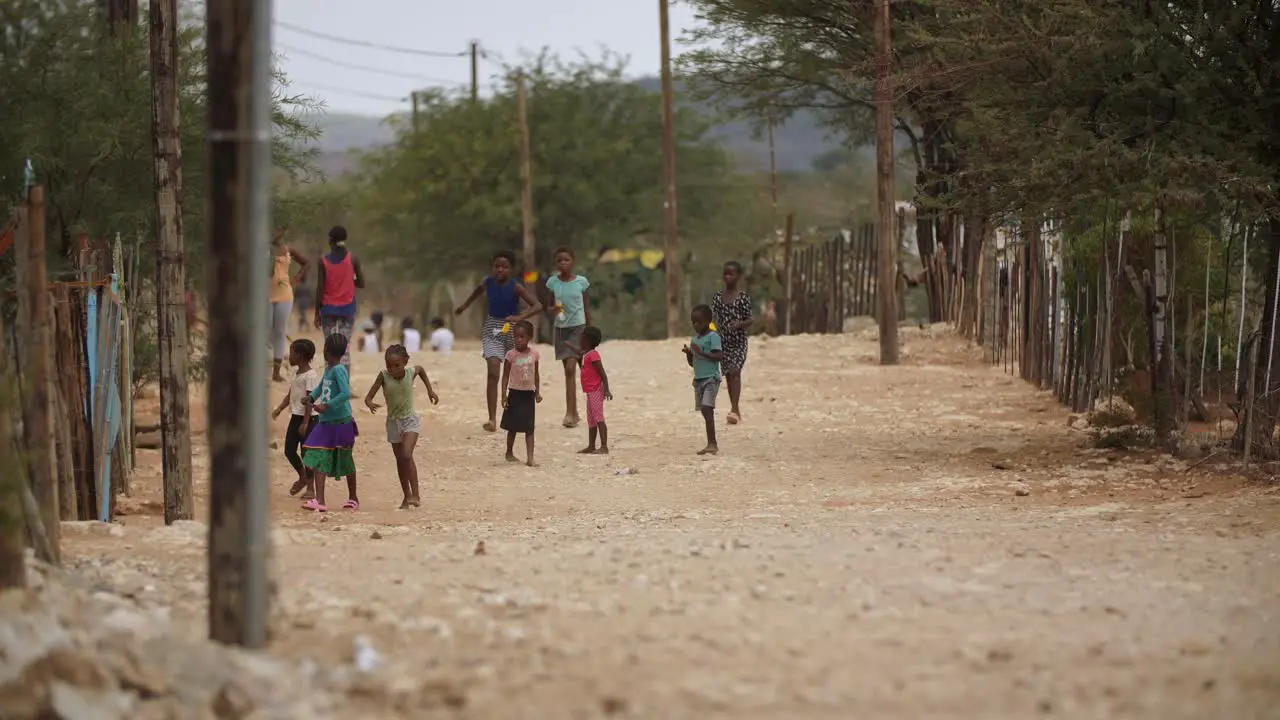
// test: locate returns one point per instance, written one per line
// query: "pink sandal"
(351, 505)
(314, 505)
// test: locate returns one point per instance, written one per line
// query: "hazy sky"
(503, 27)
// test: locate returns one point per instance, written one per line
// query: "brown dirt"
(927, 540)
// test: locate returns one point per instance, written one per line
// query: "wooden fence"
(88, 399)
(831, 281)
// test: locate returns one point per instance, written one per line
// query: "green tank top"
(399, 394)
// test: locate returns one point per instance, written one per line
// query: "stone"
(232, 702)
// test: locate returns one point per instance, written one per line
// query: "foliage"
(447, 195)
(77, 103)
(75, 99)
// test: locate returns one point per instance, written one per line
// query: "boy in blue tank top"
(503, 294)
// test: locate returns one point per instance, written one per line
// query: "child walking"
(328, 449)
(504, 295)
(595, 385)
(704, 353)
(305, 380)
(732, 310)
(572, 313)
(403, 423)
(521, 391)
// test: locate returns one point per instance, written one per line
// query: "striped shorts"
(493, 342)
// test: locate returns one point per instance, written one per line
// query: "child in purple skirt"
(330, 444)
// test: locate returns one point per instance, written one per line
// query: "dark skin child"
(564, 268)
(406, 468)
(702, 325)
(522, 338)
(601, 429)
(732, 279)
(501, 274)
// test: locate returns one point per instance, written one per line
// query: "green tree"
(76, 102)
(447, 194)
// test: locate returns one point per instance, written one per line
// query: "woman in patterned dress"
(732, 309)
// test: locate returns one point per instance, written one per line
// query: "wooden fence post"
(37, 417)
(787, 270)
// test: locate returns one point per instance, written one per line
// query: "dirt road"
(923, 541)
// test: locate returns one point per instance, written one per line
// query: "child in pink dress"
(595, 385)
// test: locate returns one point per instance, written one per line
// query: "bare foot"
(709, 450)
(405, 504)
(532, 464)
(587, 451)
(490, 427)
(734, 417)
(603, 451)
(415, 501)
(571, 421)
(308, 495)
(512, 458)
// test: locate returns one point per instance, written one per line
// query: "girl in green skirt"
(330, 444)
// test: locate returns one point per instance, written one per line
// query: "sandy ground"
(929, 540)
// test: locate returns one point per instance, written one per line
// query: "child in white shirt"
(441, 336)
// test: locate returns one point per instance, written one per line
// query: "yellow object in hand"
(713, 327)
(506, 327)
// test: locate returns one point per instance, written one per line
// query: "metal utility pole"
(239, 131)
(475, 70)
(677, 326)
(526, 176)
(171, 271)
(886, 236)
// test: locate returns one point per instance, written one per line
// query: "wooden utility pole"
(788, 231)
(677, 326)
(526, 176)
(475, 70)
(13, 548)
(119, 12)
(37, 415)
(413, 96)
(238, 43)
(171, 271)
(773, 170)
(886, 237)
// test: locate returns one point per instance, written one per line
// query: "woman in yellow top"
(282, 257)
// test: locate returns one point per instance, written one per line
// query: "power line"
(367, 44)
(365, 68)
(355, 93)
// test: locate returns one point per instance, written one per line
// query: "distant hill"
(798, 142)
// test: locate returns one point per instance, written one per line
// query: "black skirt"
(519, 414)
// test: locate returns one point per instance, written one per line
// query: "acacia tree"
(771, 58)
(1028, 110)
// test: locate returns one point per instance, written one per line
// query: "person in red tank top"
(336, 285)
